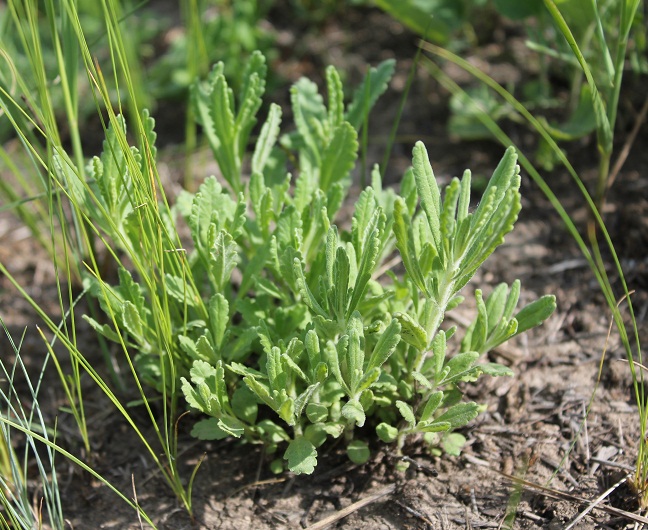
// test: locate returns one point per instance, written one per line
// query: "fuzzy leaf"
(411, 331)
(496, 370)
(223, 259)
(428, 191)
(405, 243)
(335, 97)
(406, 411)
(180, 290)
(218, 318)
(365, 96)
(459, 415)
(316, 413)
(432, 405)
(339, 156)
(452, 443)
(132, 320)
(386, 432)
(386, 345)
(267, 139)
(460, 366)
(301, 456)
(535, 313)
(354, 412)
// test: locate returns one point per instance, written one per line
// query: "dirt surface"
(552, 425)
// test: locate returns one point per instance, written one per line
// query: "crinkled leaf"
(431, 406)
(339, 156)
(411, 332)
(132, 320)
(316, 412)
(218, 309)
(267, 138)
(180, 290)
(301, 456)
(223, 259)
(354, 412)
(406, 411)
(335, 97)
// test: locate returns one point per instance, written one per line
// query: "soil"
(553, 438)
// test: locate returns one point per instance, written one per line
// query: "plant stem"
(601, 182)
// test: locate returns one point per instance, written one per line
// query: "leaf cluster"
(289, 329)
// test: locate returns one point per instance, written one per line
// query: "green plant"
(15, 493)
(629, 335)
(311, 325)
(587, 44)
(436, 20)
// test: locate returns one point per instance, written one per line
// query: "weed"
(315, 328)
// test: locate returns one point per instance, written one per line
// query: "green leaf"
(267, 139)
(103, 329)
(368, 259)
(218, 318)
(223, 259)
(428, 191)
(358, 452)
(132, 320)
(208, 430)
(231, 426)
(405, 243)
(354, 412)
(180, 290)
(452, 443)
(412, 332)
(316, 413)
(386, 432)
(304, 290)
(459, 415)
(365, 96)
(355, 352)
(459, 366)
(301, 456)
(496, 370)
(431, 406)
(389, 339)
(245, 405)
(406, 411)
(535, 313)
(339, 156)
(335, 97)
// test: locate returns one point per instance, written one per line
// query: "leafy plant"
(281, 309)
(587, 44)
(628, 333)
